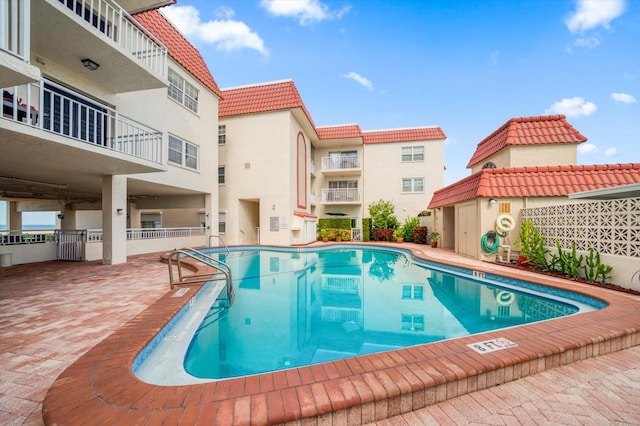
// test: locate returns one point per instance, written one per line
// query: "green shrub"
(366, 229)
(382, 215)
(409, 225)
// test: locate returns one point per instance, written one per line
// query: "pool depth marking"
(180, 292)
(492, 345)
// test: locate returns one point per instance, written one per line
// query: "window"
(413, 185)
(183, 92)
(183, 153)
(221, 174)
(411, 291)
(222, 222)
(412, 322)
(222, 135)
(412, 153)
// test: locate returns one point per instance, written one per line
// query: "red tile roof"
(339, 132)
(403, 135)
(263, 97)
(551, 129)
(178, 47)
(548, 181)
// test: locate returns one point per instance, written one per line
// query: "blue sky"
(466, 66)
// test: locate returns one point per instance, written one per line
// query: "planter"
(522, 261)
(338, 239)
(434, 244)
(325, 239)
(399, 239)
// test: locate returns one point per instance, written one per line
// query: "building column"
(15, 216)
(210, 217)
(114, 220)
(67, 218)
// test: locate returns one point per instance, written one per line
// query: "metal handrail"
(224, 244)
(201, 257)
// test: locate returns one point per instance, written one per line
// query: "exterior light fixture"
(120, 211)
(90, 65)
(492, 200)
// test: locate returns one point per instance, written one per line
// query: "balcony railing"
(342, 195)
(54, 108)
(110, 19)
(15, 18)
(95, 235)
(340, 162)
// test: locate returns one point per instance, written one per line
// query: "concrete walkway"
(51, 313)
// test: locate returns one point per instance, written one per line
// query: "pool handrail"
(199, 256)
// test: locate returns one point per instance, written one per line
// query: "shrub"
(366, 228)
(409, 225)
(379, 234)
(420, 234)
(382, 214)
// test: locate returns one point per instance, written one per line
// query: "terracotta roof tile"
(340, 132)
(547, 181)
(550, 129)
(178, 47)
(403, 135)
(264, 97)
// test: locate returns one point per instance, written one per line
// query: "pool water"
(299, 307)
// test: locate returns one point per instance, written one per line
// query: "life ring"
(505, 298)
(505, 224)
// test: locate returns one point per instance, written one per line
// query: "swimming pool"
(303, 306)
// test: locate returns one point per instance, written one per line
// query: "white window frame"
(185, 151)
(222, 222)
(182, 91)
(412, 322)
(222, 134)
(413, 185)
(412, 292)
(223, 175)
(414, 154)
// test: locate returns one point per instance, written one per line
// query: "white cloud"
(611, 152)
(591, 14)
(625, 98)
(365, 82)
(572, 107)
(223, 32)
(305, 11)
(587, 148)
(588, 42)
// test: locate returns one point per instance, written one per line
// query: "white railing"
(341, 195)
(31, 236)
(54, 108)
(15, 22)
(356, 234)
(107, 17)
(95, 235)
(341, 284)
(340, 162)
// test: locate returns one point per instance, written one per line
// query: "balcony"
(56, 109)
(130, 58)
(344, 165)
(341, 196)
(15, 45)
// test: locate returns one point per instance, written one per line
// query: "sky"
(465, 66)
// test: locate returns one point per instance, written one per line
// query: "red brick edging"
(100, 387)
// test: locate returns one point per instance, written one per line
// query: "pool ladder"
(222, 271)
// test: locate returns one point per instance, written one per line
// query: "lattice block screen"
(610, 226)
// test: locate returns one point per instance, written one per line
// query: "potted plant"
(434, 238)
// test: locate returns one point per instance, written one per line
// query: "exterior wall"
(260, 158)
(532, 155)
(384, 170)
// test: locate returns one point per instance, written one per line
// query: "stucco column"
(210, 217)
(14, 216)
(114, 220)
(134, 216)
(68, 221)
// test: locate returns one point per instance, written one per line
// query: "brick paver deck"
(84, 323)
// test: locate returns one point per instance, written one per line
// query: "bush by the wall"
(379, 234)
(366, 229)
(420, 234)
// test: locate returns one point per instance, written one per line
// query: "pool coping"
(101, 386)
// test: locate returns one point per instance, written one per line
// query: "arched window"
(489, 165)
(301, 171)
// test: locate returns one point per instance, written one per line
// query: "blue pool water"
(295, 308)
